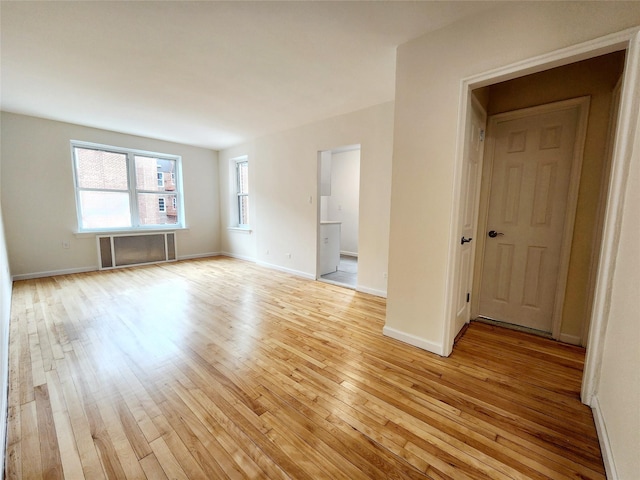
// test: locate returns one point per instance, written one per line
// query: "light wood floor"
(218, 368)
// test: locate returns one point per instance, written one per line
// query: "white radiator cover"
(115, 251)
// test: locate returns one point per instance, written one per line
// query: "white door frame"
(628, 40)
(582, 104)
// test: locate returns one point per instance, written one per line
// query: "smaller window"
(242, 192)
(160, 179)
(161, 206)
(174, 202)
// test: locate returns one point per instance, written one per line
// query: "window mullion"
(133, 190)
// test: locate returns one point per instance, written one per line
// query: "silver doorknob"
(494, 234)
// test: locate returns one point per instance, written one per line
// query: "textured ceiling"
(212, 74)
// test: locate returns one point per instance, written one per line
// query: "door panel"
(471, 176)
(532, 160)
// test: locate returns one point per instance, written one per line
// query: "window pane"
(243, 177)
(100, 169)
(243, 210)
(155, 209)
(155, 174)
(105, 209)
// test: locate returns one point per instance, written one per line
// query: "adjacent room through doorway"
(338, 215)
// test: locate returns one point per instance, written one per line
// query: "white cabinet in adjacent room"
(329, 247)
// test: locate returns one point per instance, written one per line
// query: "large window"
(118, 188)
(242, 192)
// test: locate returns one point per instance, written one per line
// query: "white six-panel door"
(532, 160)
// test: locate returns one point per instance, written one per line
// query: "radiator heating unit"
(116, 251)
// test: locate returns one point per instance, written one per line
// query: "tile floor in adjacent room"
(347, 273)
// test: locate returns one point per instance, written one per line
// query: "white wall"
(39, 199)
(343, 204)
(5, 314)
(284, 175)
(618, 391)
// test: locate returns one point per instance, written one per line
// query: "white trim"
(570, 339)
(53, 273)
(414, 340)
(603, 439)
(372, 291)
(196, 255)
(297, 273)
(244, 230)
(602, 203)
(239, 257)
(349, 254)
(622, 151)
(582, 51)
(607, 44)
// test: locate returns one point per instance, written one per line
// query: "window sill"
(130, 231)
(245, 230)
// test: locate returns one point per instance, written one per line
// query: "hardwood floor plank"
(152, 468)
(13, 463)
(219, 368)
(91, 465)
(49, 447)
(69, 455)
(31, 460)
(167, 460)
(103, 444)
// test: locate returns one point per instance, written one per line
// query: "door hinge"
(468, 297)
(482, 134)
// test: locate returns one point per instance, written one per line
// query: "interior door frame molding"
(626, 133)
(582, 104)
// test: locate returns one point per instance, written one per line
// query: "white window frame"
(160, 179)
(132, 190)
(235, 195)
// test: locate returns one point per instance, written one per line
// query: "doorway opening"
(338, 215)
(619, 140)
(570, 265)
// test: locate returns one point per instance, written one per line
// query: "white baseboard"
(53, 273)
(603, 439)
(349, 254)
(239, 257)
(414, 340)
(297, 273)
(571, 339)
(372, 291)
(198, 255)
